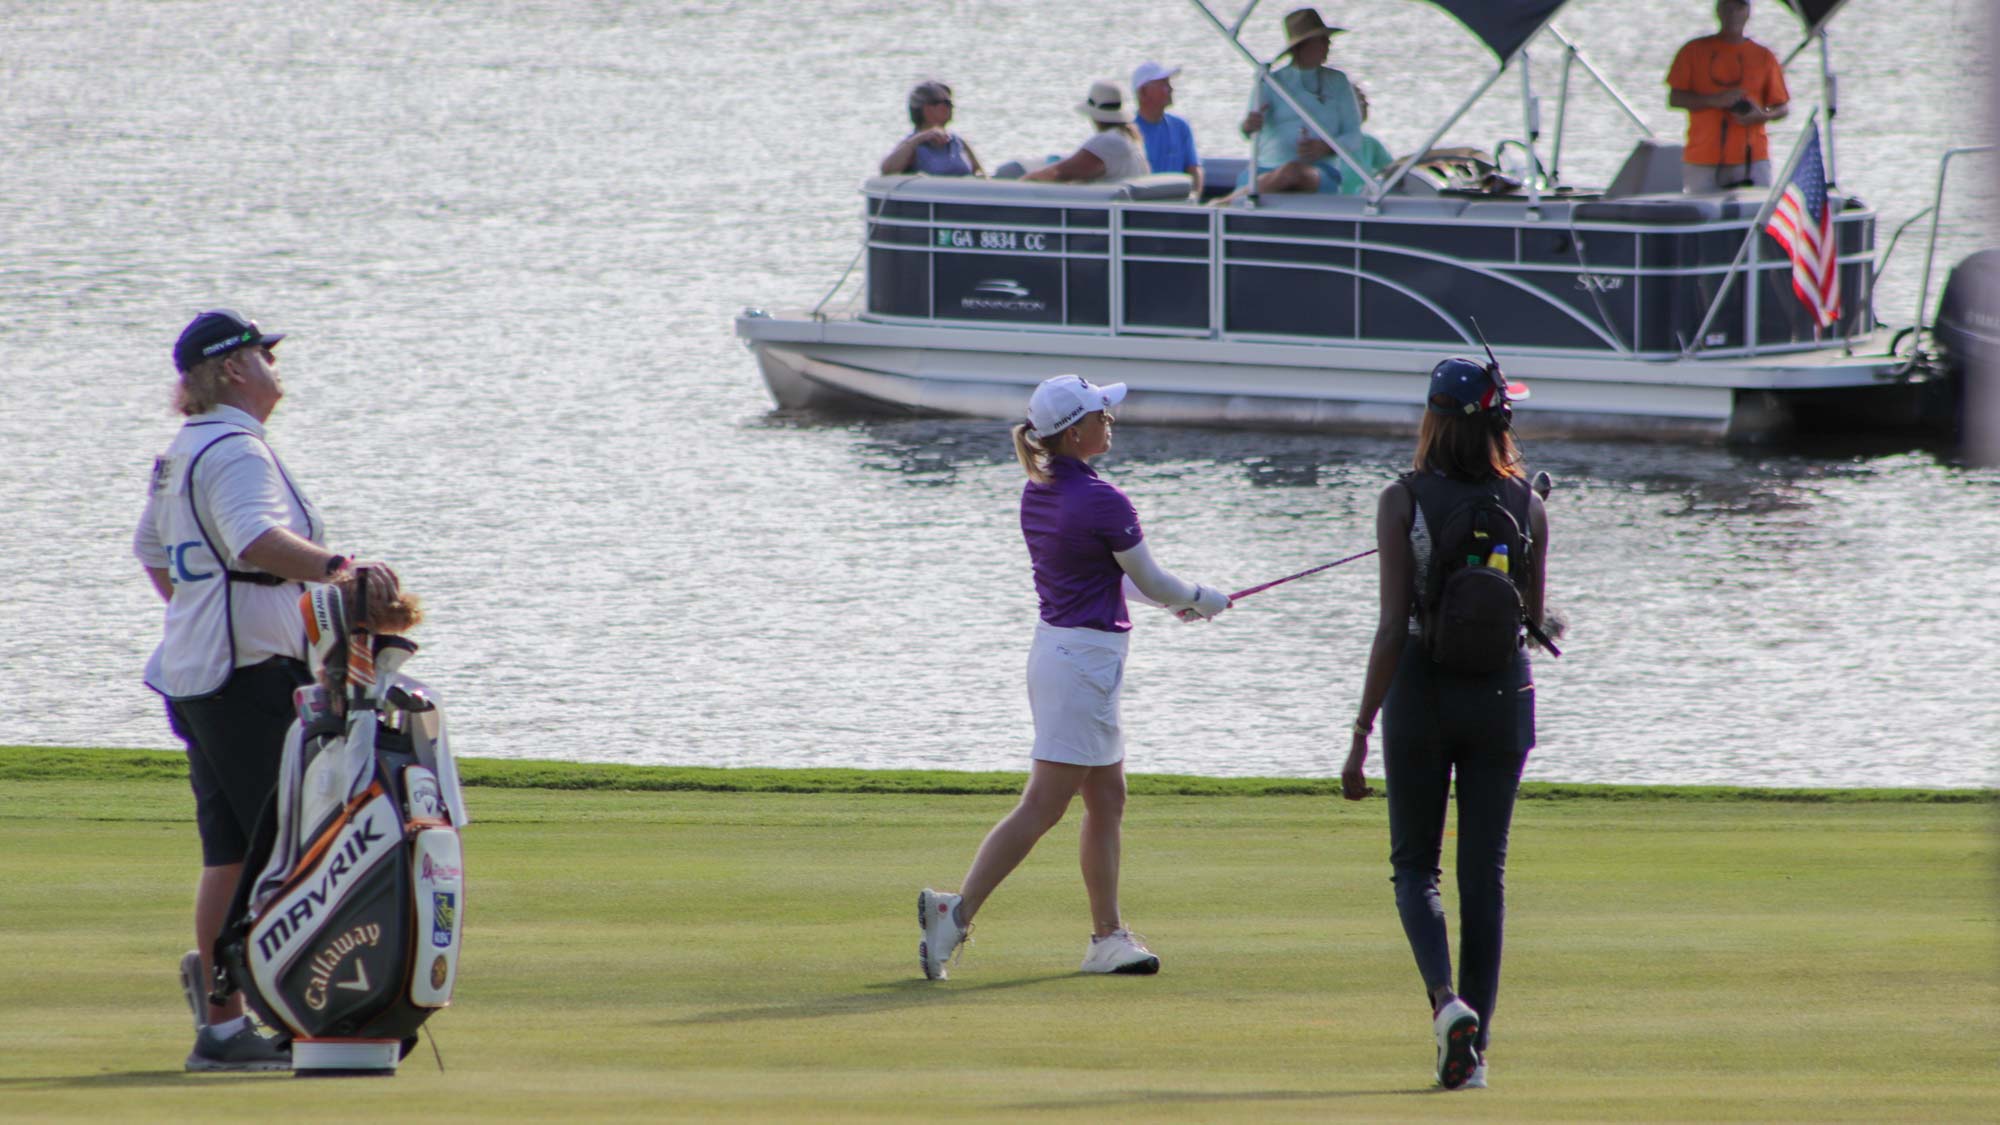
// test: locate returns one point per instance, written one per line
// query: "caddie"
(226, 538)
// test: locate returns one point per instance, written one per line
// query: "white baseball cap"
(1150, 71)
(1059, 402)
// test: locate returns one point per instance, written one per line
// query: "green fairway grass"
(705, 944)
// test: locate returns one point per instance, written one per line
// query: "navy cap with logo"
(1467, 386)
(218, 332)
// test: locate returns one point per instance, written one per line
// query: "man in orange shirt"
(1731, 85)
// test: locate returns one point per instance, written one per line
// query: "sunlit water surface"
(510, 238)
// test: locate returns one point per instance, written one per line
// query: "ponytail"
(1034, 456)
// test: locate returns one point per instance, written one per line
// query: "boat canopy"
(1505, 26)
(1814, 13)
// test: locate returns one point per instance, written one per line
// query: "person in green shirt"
(1290, 157)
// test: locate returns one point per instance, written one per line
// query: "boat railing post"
(1216, 305)
(1749, 240)
(1531, 127)
(1603, 83)
(1562, 115)
(1829, 85)
(1116, 280)
(1937, 212)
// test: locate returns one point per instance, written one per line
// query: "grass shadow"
(132, 1079)
(1217, 1097)
(883, 997)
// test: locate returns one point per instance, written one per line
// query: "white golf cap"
(1150, 71)
(1059, 402)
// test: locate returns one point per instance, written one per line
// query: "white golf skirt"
(1073, 679)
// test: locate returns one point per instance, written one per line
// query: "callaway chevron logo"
(365, 841)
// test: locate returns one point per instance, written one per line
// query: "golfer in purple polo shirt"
(1088, 554)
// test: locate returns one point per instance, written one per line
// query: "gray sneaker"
(195, 989)
(245, 1050)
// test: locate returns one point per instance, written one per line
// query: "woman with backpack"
(1088, 556)
(1463, 541)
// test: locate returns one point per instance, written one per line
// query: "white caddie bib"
(214, 625)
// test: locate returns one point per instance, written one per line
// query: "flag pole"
(1778, 186)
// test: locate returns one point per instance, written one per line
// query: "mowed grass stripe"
(691, 955)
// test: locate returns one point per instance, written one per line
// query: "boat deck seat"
(1653, 168)
(1673, 207)
(1158, 186)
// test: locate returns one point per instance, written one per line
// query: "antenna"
(1489, 347)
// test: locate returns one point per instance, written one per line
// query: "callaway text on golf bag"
(345, 930)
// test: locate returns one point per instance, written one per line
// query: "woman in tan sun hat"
(1290, 156)
(1114, 152)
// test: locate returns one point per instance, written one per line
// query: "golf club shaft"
(1301, 574)
(1543, 485)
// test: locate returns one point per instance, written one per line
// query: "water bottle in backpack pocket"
(1470, 611)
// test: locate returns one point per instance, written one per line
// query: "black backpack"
(1470, 613)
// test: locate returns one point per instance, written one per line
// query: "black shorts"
(235, 739)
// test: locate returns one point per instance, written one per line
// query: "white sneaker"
(1120, 951)
(1457, 1030)
(1478, 1079)
(937, 917)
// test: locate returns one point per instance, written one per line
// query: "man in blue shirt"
(1169, 141)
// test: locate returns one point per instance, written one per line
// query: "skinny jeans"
(1438, 725)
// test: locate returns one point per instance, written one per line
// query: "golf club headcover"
(325, 612)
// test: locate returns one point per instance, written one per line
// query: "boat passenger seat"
(1652, 169)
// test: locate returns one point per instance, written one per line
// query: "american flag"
(1803, 225)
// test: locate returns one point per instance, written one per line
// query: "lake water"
(509, 240)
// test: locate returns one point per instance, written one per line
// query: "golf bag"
(345, 930)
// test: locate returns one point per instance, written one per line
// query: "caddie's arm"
(162, 582)
(1392, 629)
(292, 557)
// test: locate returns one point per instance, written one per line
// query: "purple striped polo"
(1072, 525)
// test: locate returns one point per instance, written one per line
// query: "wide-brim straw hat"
(1305, 24)
(1108, 103)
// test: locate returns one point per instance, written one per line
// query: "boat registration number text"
(958, 239)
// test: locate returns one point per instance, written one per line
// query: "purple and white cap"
(1061, 401)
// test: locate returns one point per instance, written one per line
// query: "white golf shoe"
(1120, 951)
(937, 916)
(1478, 1079)
(1457, 1030)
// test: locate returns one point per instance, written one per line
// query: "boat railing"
(1589, 274)
(1937, 213)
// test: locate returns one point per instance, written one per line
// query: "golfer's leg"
(1043, 802)
(1489, 777)
(1098, 846)
(1417, 774)
(212, 898)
